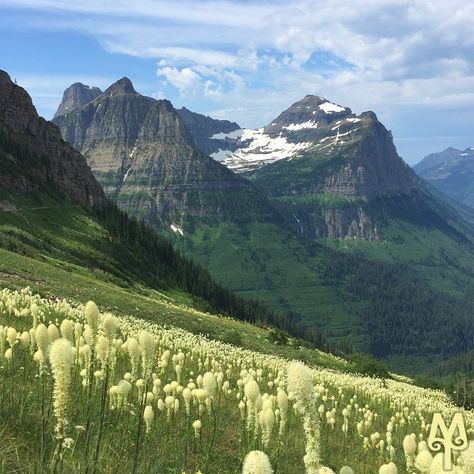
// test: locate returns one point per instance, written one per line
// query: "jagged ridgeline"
(143, 155)
(314, 214)
(52, 207)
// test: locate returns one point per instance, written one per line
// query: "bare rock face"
(76, 96)
(33, 154)
(343, 162)
(146, 159)
(205, 130)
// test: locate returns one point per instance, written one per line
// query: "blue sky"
(410, 61)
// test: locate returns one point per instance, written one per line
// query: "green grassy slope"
(399, 298)
(60, 250)
(262, 262)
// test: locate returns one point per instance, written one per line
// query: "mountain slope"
(319, 162)
(70, 225)
(451, 172)
(145, 158)
(206, 130)
(336, 176)
(32, 153)
(341, 208)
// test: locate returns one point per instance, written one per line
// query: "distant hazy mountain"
(452, 172)
(203, 129)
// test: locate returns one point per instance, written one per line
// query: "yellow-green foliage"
(106, 393)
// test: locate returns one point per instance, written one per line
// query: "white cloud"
(186, 80)
(249, 59)
(212, 90)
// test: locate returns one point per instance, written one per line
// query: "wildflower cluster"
(119, 390)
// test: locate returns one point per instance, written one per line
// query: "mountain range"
(62, 241)
(451, 171)
(315, 215)
(60, 235)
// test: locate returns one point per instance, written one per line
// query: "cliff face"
(145, 157)
(76, 96)
(342, 162)
(34, 155)
(206, 131)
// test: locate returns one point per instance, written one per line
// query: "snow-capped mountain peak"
(311, 121)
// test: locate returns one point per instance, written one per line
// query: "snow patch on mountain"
(301, 126)
(126, 174)
(232, 135)
(259, 149)
(177, 230)
(221, 155)
(329, 108)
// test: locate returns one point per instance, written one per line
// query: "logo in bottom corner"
(452, 438)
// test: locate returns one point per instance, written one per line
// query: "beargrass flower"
(62, 358)
(148, 417)
(300, 387)
(346, 470)
(389, 468)
(197, 428)
(409, 448)
(91, 312)
(257, 462)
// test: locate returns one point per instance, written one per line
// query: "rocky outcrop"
(349, 220)
(145, 157)
(375, 168)
(344, 159)
(76, 96)
(33, 154)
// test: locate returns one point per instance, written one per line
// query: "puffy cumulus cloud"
(186, 80)
(214, 82)
(212, 89)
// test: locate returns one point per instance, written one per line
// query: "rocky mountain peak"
(75, 96)
(146, 159)
(307, 113)
(122, 86)
(33, 154)
(313, 121)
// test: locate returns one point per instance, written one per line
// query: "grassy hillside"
(393, 297)
(261, 262)
(60, 249)
(154, 399)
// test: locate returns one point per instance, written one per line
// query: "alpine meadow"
(236, 237)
